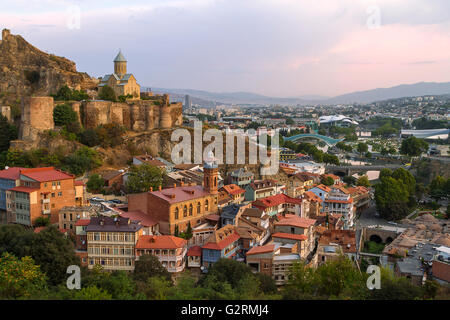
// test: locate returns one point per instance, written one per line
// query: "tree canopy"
(142, 178)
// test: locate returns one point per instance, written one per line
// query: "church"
(120, 81)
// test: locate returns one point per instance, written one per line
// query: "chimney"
(159, 188)
(151, 189)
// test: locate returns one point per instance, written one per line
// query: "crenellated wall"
(135, 115)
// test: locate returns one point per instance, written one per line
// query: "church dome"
(120, 57)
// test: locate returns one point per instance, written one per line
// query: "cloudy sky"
(272, 47)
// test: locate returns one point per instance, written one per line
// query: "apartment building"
(9, 178)
(68, 216)
(42, 192)
(235, 192)
(171, 251)
(339, 201)
(223, 243)
(279, 204)
(111, 242)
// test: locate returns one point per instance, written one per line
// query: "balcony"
(45, 211)
(46, 200)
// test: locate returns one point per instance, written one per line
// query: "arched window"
(185, 211)
(198, 207)
(206, 205)
(191, 209)
(215, 181)
(176, 213)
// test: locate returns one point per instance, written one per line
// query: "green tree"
(54, 253)
(328, 181)
(42, 222)
(413, 147)
(142, 178)
(362, 147)
(363, 181)
(84, 159)
(8, 132)
(149, 266)
(392, 198)
(95, 183)
(63, 114)
(92, 293)
(20, 278)
(107, 93)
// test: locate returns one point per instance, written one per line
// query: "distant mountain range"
(368, 96)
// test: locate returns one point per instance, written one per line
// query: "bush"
(63, 114)
(107, 93)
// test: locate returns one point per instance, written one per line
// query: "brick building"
(42, 192)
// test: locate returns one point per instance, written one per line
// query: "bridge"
(328, 140)
(424, 134)
(348, 170)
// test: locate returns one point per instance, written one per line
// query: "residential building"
(345, 239)
(194, 257)
(241, 177)
(81, 240)
(235, 192)
(339, 201)
(260, 189)
(111, 242)
(9, 178)
(42, 192)
(171, 251)
(149, 225)
(68, 216)
(223, 243)
(279, 204)
(230, 214)
(441, 265)
(361, 198)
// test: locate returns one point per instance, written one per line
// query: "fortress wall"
(176, 113)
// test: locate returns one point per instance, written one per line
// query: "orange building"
(175, 208)
(42, 192)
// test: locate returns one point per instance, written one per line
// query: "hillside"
(26, 70)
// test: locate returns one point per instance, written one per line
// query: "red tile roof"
(222, 238)
(323, 187)
(160, 242)
(261, 249)
(275, 200)
(83, 222)
(295, 221)
(282, 235)
(195, 251)
(138, 215)
(180, 194)
(233, 189)
(339, 201)
(45, 174)
(311, 196)
(24, 189)
(11, 173)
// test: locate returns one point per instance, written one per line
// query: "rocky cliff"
(26, 70)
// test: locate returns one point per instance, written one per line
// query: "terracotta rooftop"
(311, 196)
(261, 249)
(323, 187)
(345, 238)
(160, 242)
(295, 221)
(233, 189)
(180, 194)
(24, 189)
(82, 222)
(275, 200)
(11, 173)
(282, 235)
(195, 251)
(140, 216)
(222, 238)
(45, 174)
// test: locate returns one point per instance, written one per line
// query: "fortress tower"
(37, 116)
(210, 173)
(120, 65)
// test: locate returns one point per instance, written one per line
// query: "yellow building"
(123, 83)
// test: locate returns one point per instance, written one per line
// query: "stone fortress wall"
(135, 115)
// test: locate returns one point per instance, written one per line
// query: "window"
(292, 230)
(53, 194)
(191, 209)
(198, 207)
(185, 211)
(206, 205)
(176, 213)
(59, 194)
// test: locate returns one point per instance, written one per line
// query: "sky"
(281, 48)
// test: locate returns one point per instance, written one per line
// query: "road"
(368, 218)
